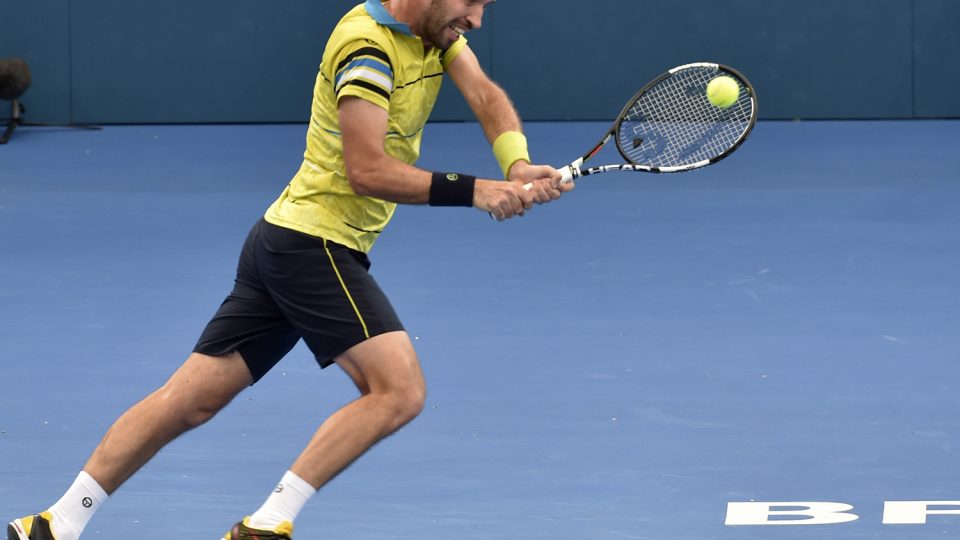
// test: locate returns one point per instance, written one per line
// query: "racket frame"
(575, 169)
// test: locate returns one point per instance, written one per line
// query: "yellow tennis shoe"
(31, 528)
(242, 531)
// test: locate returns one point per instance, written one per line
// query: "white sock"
(283, 504)
(74, 510)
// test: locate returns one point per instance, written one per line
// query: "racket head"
(671, 126)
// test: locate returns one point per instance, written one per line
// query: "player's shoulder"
(359, 26)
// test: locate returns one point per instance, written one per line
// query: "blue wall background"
(184, 61)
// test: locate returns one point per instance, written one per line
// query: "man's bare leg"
(194, 393)
(387, 373)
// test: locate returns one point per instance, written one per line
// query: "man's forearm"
(496, 113)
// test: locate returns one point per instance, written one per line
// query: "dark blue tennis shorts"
(292, 285)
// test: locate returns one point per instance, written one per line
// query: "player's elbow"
(362, 178)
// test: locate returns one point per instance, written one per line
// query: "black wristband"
(451, 189)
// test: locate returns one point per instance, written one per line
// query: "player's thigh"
(385, 363)
(205, 384)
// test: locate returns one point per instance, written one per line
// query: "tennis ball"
(723, 92)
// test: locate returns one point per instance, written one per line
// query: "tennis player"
(302, 272)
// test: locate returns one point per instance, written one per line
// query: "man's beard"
(435, 25)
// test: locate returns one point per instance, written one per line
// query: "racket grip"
(566, 176)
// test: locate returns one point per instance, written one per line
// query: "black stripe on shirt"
(365, 51)
(364, 84)
(354, 227)
(418, 80)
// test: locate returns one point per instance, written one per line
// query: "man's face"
(445, 20)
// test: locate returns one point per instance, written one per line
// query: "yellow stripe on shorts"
(336, 270)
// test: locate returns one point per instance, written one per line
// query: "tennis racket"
(670, 125)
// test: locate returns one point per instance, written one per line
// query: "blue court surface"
(780, 328)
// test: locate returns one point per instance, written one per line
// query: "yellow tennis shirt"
(371, 56)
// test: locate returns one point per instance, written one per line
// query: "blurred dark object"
(14, 78)
(14, 81)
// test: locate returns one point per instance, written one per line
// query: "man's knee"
(386, 369)
(409, 401)
(202, 387)
(400, 403)
(191, 409)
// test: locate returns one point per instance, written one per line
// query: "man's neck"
(408, 13)
(402, 11)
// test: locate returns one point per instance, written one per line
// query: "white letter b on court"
(788, 513)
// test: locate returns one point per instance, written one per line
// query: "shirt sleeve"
(451, 53)
(364, 70)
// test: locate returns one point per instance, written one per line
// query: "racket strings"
(674, 124)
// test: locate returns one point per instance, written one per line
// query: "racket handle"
(566, 176)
